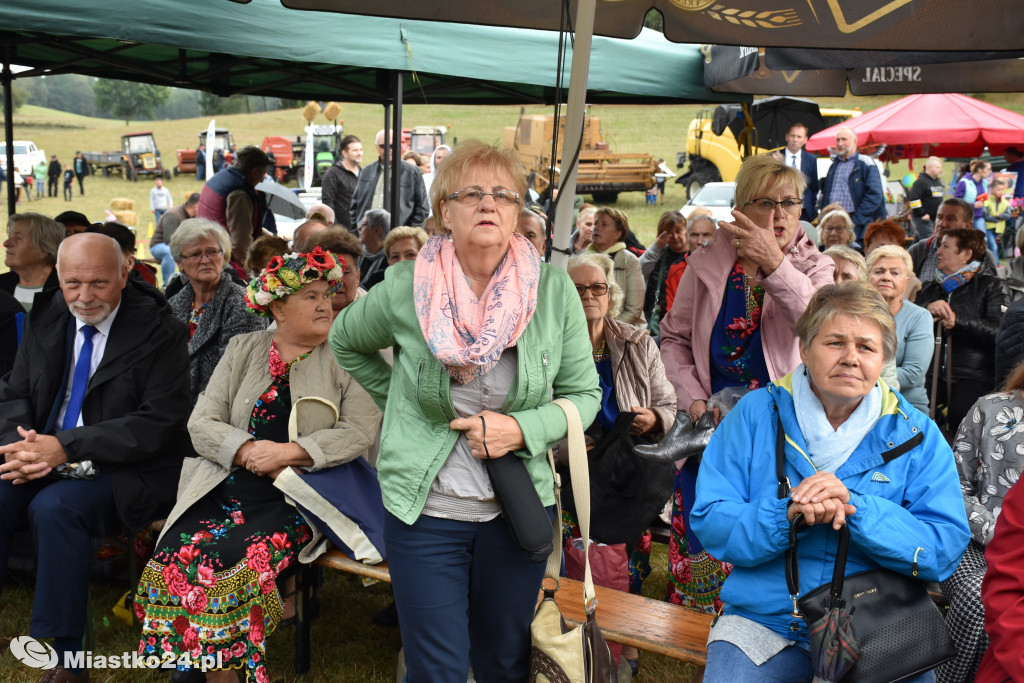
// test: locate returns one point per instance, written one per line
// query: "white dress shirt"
(99, 345)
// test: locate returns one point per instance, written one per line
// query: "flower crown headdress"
(288, 274)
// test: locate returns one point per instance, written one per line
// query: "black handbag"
(898, 629)
(521, 505)
(626, 491)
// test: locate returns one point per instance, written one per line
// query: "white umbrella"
(281, 200)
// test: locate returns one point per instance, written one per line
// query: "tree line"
(128, 101)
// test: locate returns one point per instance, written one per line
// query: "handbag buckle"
(796, 613)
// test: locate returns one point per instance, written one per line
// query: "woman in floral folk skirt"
(214, 586)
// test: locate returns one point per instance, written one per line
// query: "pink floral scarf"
(466, 334)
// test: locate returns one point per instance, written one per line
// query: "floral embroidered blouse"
(737, 355)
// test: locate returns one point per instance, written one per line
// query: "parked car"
(715, 197)
(26, 156)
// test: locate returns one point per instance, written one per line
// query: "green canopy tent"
(265, 49)
(828, 24)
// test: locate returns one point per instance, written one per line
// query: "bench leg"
(304, 579)
(699, 676)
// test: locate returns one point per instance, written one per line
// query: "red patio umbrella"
(944, 125)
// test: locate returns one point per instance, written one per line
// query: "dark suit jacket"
(809, 166)
(413, 204)
(135, 408)
(865, 187)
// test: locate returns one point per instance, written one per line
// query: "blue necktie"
(80, 380)
(794, 160)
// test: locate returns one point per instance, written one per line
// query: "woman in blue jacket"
(856, 453)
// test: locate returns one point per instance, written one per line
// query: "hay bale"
(128, 218)
(310, 111)
(332, 111)
(122, 204)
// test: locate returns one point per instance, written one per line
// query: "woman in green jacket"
(485, 336)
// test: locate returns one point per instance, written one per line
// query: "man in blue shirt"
(853, 183)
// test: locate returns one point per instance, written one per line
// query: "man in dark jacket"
(82, 169)
(53, 173)
(339, 181)
(924, 198)
(201, 162)
(1009, 341)
(413, 204)
(854, 183)
(99, 389)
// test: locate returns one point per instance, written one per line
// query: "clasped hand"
(942, 312)
(34, 457)
(493, 436)
(262, 458)
(823, 499)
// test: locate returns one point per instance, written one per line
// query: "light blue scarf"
(829, 448)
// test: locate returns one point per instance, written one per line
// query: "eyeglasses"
(834, 228)
(597, 289)
(200, 255)
(503, 198)
(765, 205)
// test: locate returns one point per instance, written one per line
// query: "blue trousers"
(65, 517)
(465, 593)
(167, 265)
(990, 236)
(726, 663)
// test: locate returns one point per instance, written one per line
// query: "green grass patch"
(346, 646)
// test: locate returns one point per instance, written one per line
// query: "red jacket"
(1002, 593)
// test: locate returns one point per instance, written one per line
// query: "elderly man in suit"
(92, 422)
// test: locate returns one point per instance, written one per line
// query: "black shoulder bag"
(897, 628)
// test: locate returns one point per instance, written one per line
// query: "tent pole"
(383, 157)
(573, 131)
(396, 149)
(7, 77)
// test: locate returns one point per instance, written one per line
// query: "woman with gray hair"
(836, 228)
(856, 453)
(632, 379)
(211, 305)
(373, 228)
(31, 254)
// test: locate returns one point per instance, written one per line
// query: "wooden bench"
(662, 534)
(646, 624)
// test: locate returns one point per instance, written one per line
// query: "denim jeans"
(990, 237)
(465, 593)
(726, 663)
(163, 252)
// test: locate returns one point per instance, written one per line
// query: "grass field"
(346, 646)
(659, 130)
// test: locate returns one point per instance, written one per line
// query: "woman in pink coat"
(731, 325)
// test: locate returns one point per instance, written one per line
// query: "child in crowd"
(69, 178)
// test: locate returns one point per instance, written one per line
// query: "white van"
(26, 156)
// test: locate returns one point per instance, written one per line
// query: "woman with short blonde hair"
(850, 265)
(731, 326)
